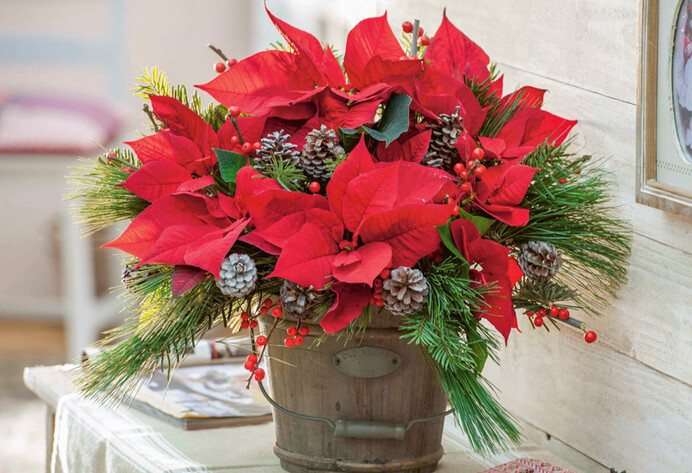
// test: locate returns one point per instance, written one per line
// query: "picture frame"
(664, 116)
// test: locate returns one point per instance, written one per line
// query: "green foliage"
(393, 123)
(532, 295)
(98, 203)
(230, 163)
(288, 174)
(457, 345)
(578, 217)
(483, 90)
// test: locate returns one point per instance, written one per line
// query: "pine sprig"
(577, 216)
(289, 175)
(98, 203)
(532, 295)
(452, 338)
(484, 90)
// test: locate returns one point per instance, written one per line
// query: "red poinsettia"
(375, 215)
(490, 263)
(180, 157)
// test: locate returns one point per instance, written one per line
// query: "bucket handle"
(357, 429)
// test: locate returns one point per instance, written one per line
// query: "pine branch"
(289, 175)
(98, 203)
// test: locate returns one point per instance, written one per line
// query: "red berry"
(424, 40)
(465, 187)
(256, 145)
(407, 26)
(480, 169)
(470, 163)
(299, 339)
(246, 148)
(304, 330)
(459, 168)
(264, 310)
(126, 169)
(562, 181)
(377, 295)
(292, 331)
(219, 67)
(259, 374)
(245, 324)
(268, 303)
(244, 316)
(314, 187)
(253, 324)
(289, 342)
(234, 110)
(455, 212)
(463, 174)
(478, 153)
(385, 273)
(276, 312)
(420, 31)
(538, 321)
(261, 340)
(232, 62)
(554, 310)
(563, 314)
(249, 365)
(373, 301)
(234, 140)
(252, 357)
(530, 314)
(379, 302)
(377, 283)
(590, 337)
(540, 313)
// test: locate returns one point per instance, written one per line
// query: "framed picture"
(664, 114)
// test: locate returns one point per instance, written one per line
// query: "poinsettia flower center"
(348, 245)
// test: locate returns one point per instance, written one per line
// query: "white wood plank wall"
(626, 400)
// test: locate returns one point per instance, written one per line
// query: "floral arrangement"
(397, 176)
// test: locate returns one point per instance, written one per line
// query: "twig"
(217, 51)
(150, 114)
(414, 40)
(118, 160)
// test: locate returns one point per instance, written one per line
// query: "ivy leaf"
(230, 163)
(479, 347)
(481, 223)
(393, 123)
(448, 241)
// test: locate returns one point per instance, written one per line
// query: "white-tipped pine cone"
(405, 292)
(320, 145)
(441, 152)
(275, 145)
(238, 275)
(296, 299)
(539, 260)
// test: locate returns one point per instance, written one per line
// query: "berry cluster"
(251, 366)
(295, 335)
(423, 39)
(563, 314)
(376, 298)
(247, 321)
(473, 167)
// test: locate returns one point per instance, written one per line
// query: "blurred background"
(67, 69)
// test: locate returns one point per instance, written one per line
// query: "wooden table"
(245, 448)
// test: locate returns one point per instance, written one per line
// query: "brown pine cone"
(441, 152)
(405, 292)
(539, 260)
(296, 300)
(275, 145)
(320, 146)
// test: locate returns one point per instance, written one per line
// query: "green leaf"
(230, 163)
(393, 123)
(446, 236)
(350, 137)
(481, 223)
(479, 348)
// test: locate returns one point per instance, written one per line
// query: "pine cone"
(539, 260)
(320, 145)
(441, 152)
(126, 276)
(238, 275)
(297, 299)
(405, 291)
(275, 145)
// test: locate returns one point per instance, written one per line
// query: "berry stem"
(150, 114)
(261, 355)
(235, 125)
(572, 321)
(414, 40)
(217, 51)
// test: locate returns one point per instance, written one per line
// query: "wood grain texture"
(592, 44)
(305, 381)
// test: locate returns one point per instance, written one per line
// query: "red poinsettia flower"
(187, 229)
(180, 158)
(490, 263)
(501, 191)
(375, 215)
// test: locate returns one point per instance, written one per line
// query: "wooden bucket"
(332, 381)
